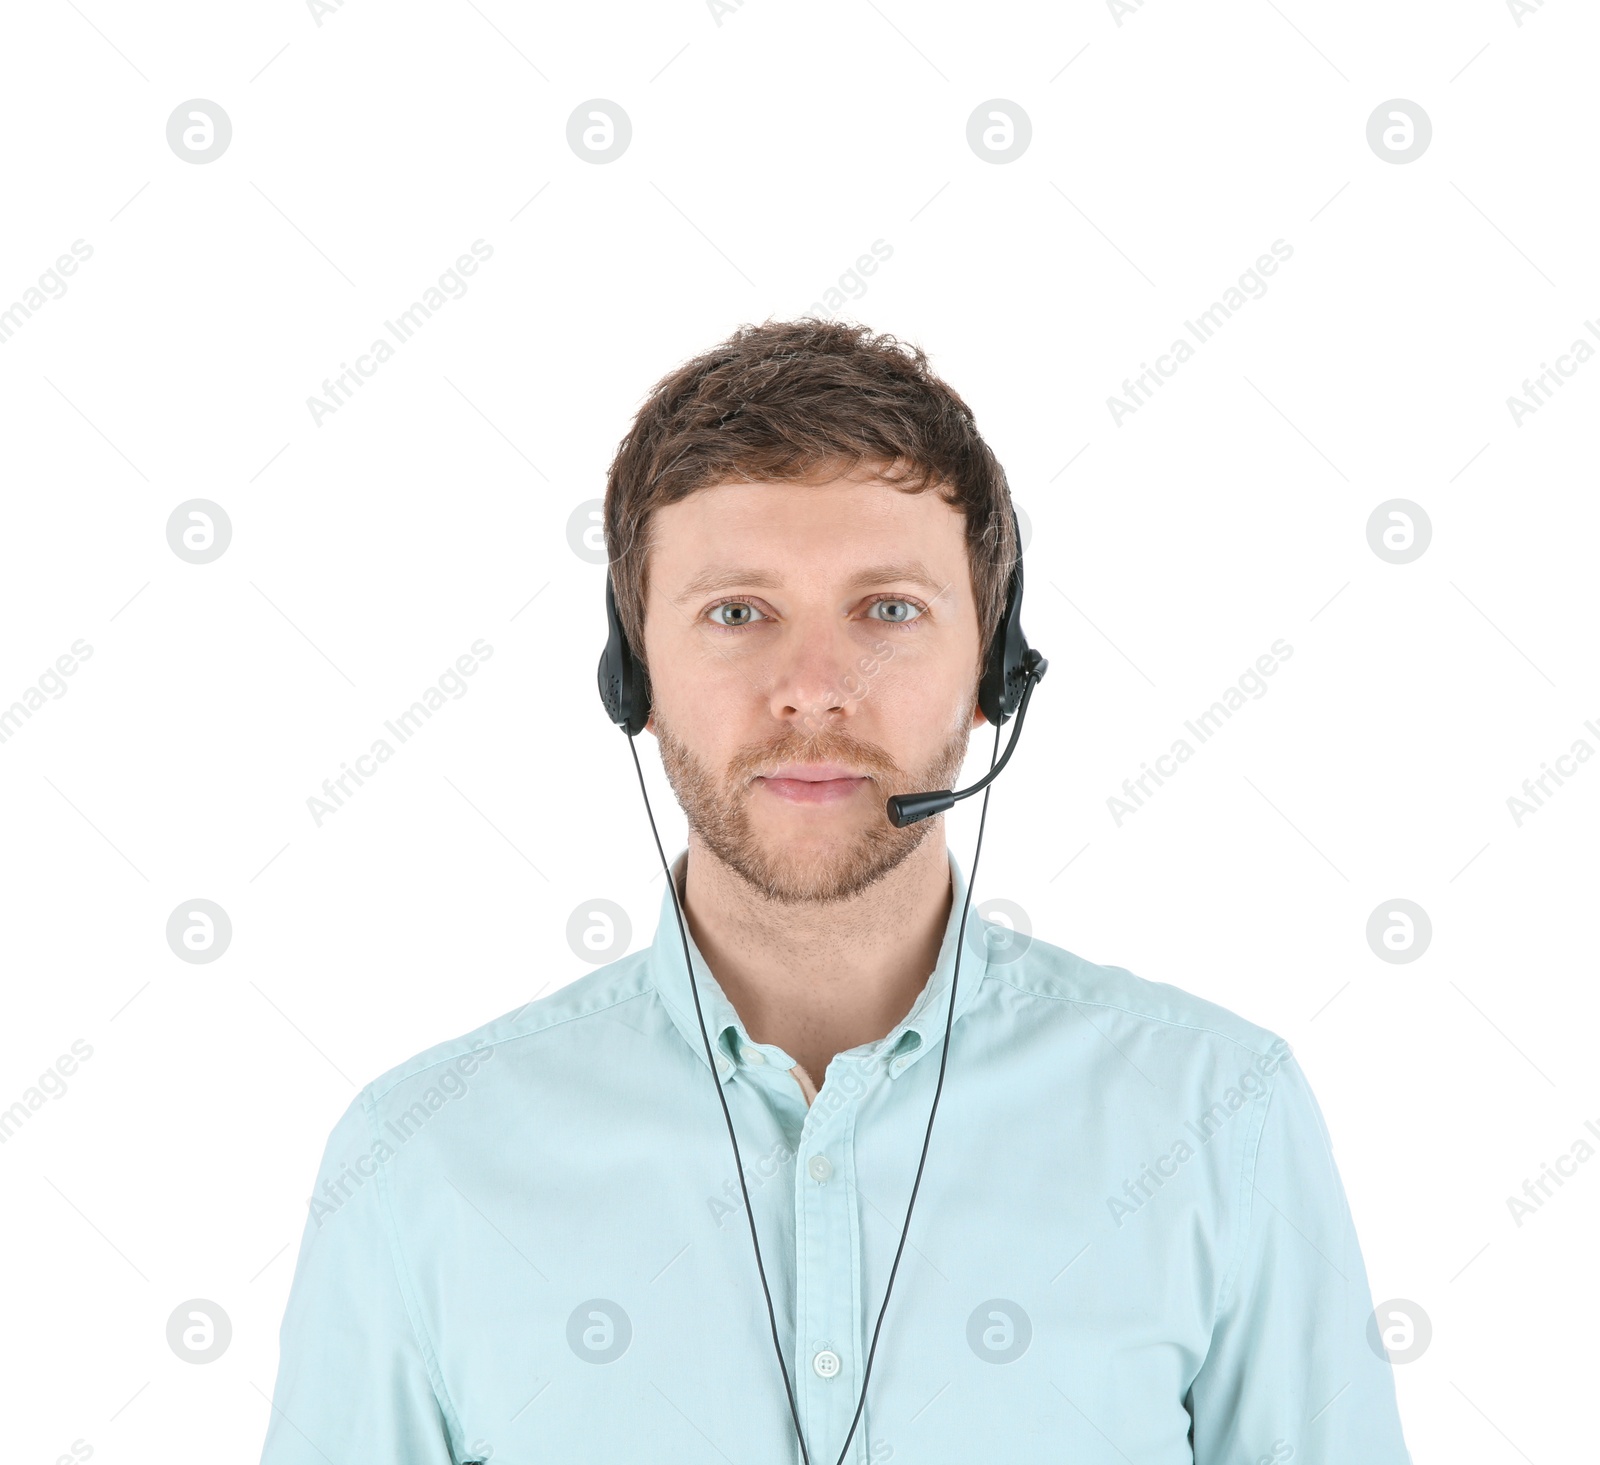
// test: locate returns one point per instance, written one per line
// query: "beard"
(718, 809)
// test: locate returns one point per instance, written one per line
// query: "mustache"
(828, 746)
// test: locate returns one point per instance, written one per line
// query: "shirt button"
(754, 1055)
(723, 1065)
(826, 1363)
(820, 1167)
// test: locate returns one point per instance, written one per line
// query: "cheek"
(912, 705)
(708, 704)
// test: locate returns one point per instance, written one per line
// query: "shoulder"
(1112, 996)
(520, 1036)
(1153, 1052)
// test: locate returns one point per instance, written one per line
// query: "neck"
(817, 980)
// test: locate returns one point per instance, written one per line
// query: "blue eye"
(738, 620)
(734, 615)
(908, 610)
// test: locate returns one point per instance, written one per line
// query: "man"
(529, 1244)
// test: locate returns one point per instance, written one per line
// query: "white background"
(1167, 553)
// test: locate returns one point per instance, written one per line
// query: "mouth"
(815, 783)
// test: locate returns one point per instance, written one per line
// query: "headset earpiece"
(1006, 671)
(624, 683)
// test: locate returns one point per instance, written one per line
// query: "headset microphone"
(1011, 671)
(904, 809)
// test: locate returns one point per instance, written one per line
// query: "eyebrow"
(722, 578)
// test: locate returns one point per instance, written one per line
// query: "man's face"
(813, 649)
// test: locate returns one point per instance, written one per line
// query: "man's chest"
(602, 1301)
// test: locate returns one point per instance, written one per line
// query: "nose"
(818, 680)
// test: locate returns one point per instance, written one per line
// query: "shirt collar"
(919, 1032)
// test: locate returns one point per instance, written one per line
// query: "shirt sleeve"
(1290, 1374)
(353, 1382)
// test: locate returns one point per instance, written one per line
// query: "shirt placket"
(828, 1345)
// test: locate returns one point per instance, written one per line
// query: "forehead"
(834, 529)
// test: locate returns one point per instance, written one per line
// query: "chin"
(815, 867)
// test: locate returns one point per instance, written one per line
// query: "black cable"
(944, 1058)
(738, 1163)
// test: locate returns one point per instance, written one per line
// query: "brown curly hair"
(790, 402)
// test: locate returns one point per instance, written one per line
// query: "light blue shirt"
(528, 1245)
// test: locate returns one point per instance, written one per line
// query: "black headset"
(1011, 671)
